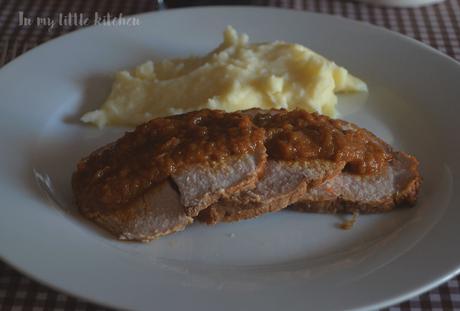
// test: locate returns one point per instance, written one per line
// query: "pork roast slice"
(160, 210)
(157, 212)
(126, 186)
(397, 185)
(283, 183)
(339, 143)
(203, 184)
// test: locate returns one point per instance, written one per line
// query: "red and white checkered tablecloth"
(437, 25)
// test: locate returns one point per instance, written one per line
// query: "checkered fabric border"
(436, 25)
(18, 292)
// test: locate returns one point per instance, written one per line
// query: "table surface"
(436, 25)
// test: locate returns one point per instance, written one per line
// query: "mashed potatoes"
(236, 75)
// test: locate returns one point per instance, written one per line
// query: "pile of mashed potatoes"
(235, 76)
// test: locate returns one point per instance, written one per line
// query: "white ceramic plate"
(284, 260)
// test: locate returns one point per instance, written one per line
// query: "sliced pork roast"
(304, 150)
(218, 166)
(356, 171)
(283, 183)
(397, 184)
(126, 186)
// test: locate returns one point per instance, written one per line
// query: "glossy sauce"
(157, 149)
(299, 135)
(161, 147)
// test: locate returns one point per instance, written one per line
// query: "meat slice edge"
(283, 183)
(202, 185)
(157, 212)
(348, 193)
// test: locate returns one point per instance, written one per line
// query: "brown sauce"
(159, 148)
(299, 135)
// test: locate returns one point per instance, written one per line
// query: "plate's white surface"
(284, 260)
